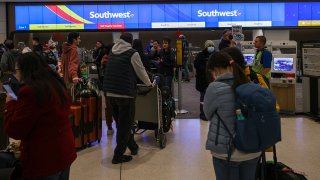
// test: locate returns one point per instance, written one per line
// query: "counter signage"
(166, 16)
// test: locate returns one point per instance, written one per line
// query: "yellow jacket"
(260, 80)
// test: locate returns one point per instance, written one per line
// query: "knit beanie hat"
(208, 43)
(127, 37)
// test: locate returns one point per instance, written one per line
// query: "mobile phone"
(8, 89)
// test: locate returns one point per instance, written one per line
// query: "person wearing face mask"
(226, 40)
(202, 75)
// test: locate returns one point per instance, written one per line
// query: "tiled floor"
(186, 158)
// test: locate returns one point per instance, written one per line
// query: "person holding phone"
(39, 118)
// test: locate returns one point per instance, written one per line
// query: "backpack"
(49, 57)
(261, 127)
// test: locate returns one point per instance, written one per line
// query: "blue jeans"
(186, 69)
(245, 170)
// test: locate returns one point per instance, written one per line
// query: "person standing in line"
(263, 57)
(70, 61)
(39, 117)
(202, 74)
(97, 55)
(167, 62)
(7, 64)
(108, 112)
(137, 45)
(120, 81)
(220, 102)
(226, 40)
(37, 47)
(148, 47)
(154, 54)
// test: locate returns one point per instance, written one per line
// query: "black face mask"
(230, 37)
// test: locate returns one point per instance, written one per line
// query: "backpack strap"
(228, 131)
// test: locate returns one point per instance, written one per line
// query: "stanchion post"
(179, 63)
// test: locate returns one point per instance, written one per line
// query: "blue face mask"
(210, 49)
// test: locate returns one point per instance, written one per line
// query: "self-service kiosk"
(283, 72)
(283, 79)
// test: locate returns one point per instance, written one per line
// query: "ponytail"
(223, 60)
(238, 75)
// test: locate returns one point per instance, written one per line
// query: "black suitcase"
(274, 170)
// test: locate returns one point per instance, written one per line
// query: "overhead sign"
(155, 16)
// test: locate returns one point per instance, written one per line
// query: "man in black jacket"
(123, 68)
(226, 40)
(37, 47)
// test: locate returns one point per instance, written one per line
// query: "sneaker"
(110, 131)
(135, 150)
(121, 159)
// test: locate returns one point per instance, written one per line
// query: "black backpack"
(49, 57)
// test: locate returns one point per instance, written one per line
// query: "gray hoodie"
(122, 46)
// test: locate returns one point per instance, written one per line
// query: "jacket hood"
(226, 78)
(121, 46)
(14, 52)
(66, 47)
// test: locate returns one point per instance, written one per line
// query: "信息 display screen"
(155, 16)
(283, 64)
(249, 58)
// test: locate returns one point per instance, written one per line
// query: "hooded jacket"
(120, 47)
(8, 60)
(70, 62)
(202, 74)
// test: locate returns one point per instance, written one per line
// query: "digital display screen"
(249, 58)
(166, 16)
(283, 64)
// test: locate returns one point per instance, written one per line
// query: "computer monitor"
(284, 63)
(249, 58)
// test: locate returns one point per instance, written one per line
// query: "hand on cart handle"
(154, 83)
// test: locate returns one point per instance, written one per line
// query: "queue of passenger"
(38, 118)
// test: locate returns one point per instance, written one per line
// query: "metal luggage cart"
(148, 113)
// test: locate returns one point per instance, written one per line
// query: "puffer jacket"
(220, 98)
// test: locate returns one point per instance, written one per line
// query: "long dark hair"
(36, 73)
(137, 45)
(223, 60)
(168, 40)
(236, 55)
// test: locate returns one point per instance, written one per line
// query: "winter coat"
(70, 62)
(220, 98)
(47, 142)
(202, 74)
(167, 63)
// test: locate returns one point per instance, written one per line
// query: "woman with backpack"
(219, 107)
(252, 76)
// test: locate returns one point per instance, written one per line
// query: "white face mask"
(210, 49)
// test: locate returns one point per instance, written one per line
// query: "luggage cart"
(148, 113)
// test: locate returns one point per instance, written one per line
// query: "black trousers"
(123, 111)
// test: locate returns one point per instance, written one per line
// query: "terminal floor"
(185, 156)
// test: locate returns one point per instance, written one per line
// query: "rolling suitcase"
(274, 170)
